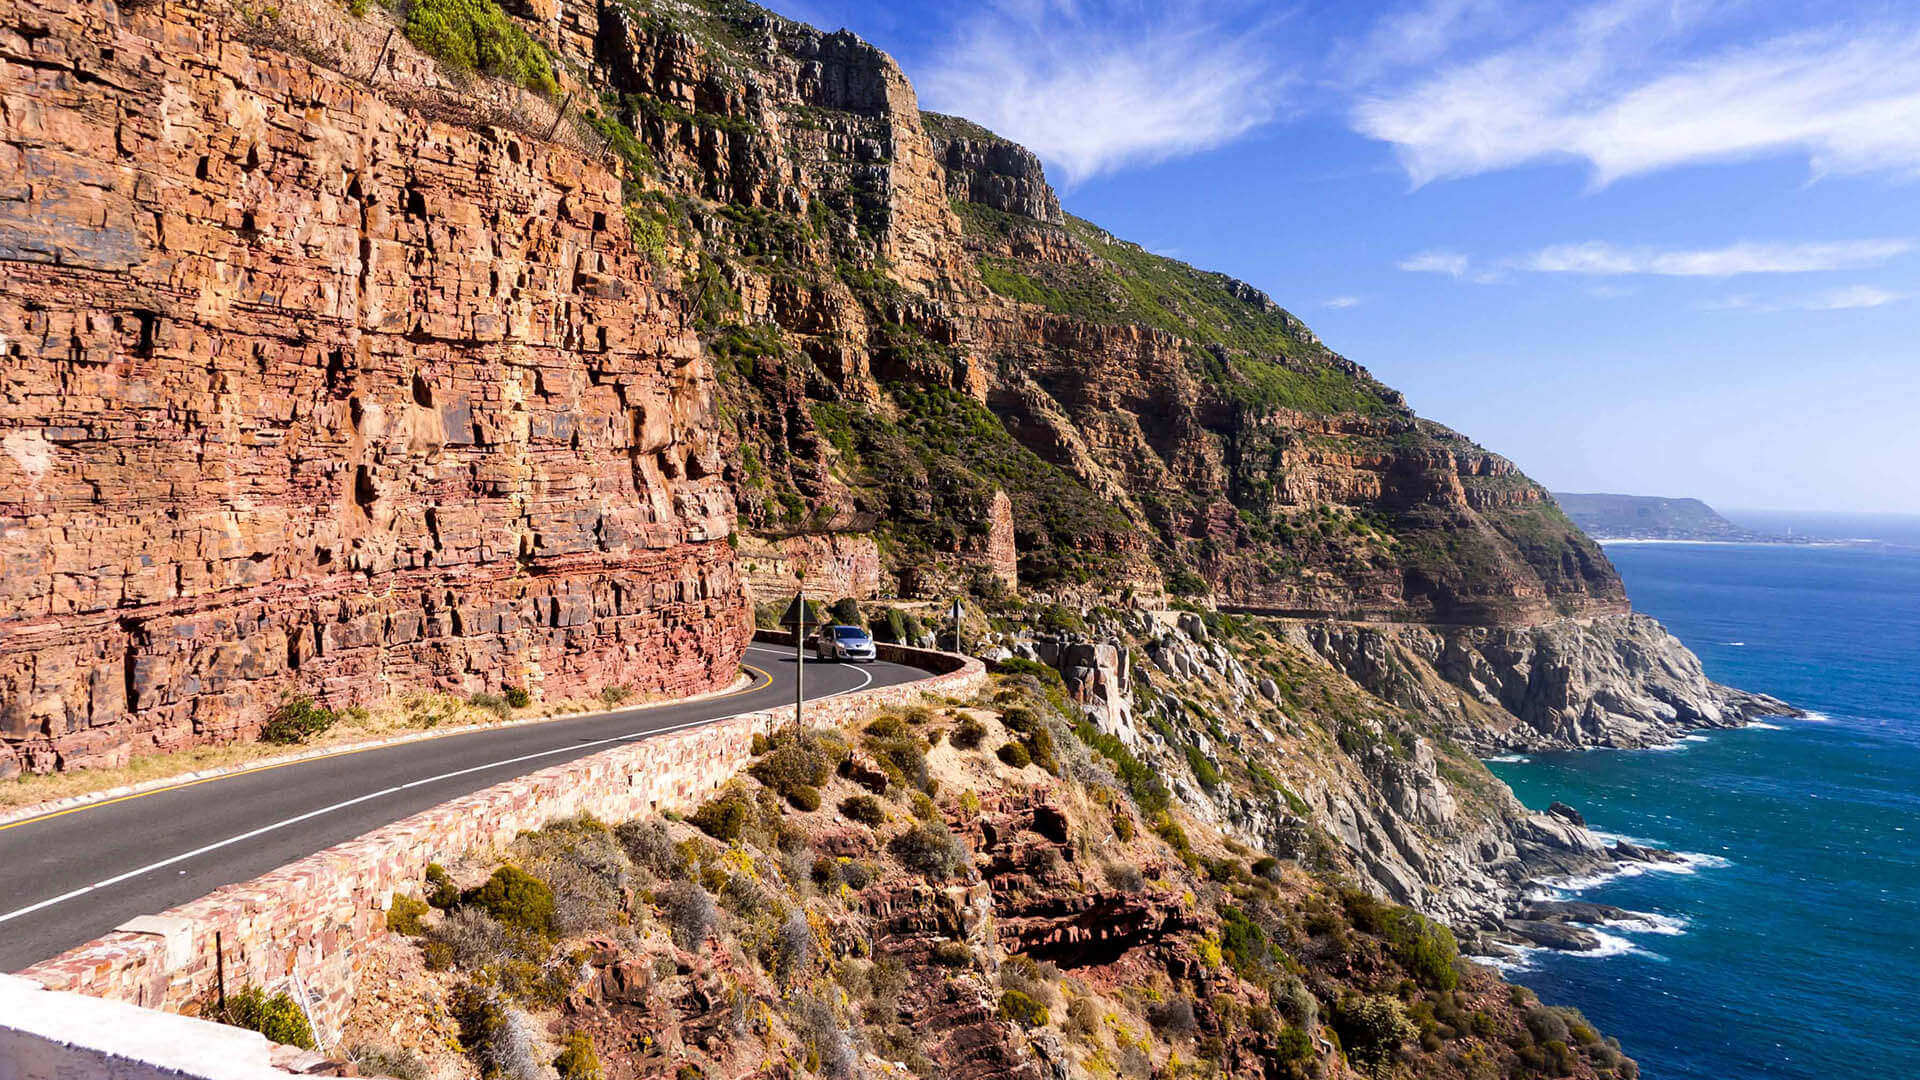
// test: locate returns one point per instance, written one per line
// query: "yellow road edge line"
(185, 784)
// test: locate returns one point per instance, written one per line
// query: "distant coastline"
(1612, 518)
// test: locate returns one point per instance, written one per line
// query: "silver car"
(845, 643)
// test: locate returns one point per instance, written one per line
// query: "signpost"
(799, 619)
(956, 625)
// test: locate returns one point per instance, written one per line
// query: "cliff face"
(305, 391)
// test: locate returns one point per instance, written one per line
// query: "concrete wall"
(51, 1036)
(320, 913)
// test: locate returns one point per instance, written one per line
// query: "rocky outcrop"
(306, 391)
(985, 169)
(1619, 681)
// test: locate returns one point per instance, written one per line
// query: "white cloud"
(1339, 302)
(1850, 298)
(1856, 296)
(1606, 259)
(1636, 86)
(1449, 263)
(1094, 85)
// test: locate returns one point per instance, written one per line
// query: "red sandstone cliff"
(306, 390)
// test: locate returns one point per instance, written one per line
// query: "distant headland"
(1650, 517)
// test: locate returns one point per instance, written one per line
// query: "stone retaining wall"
(319, 914)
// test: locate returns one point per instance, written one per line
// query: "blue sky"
(1653, 246)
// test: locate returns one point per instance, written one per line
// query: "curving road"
(71, 876)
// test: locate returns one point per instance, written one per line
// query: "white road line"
(264, 829)
(866, 679)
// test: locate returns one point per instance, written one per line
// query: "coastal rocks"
(1620, 681)
(306, 392)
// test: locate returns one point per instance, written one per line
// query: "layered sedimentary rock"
(1620, 681)
(304, 391)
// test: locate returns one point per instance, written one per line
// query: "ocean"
(1790, 946)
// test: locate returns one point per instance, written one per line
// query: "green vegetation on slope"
(476, 35)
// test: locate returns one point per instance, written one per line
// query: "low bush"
(442, 893)
(804, 798)
(1371, 1029)
(1022, 1009)
(493, 703)
(798, 759)
(468, 939)
(724, 817)
(691, 914)
(500, 1038)
(952, 954)
(578, 1060)
(403, 915)
(864, 809)
(297, 720)
(611, 696)
(649, 844)
(1173, 1018)
(517, 696)
(1015, 755)
(278, 1017)
(930, 850)
(1124, 877)
(901, 752)
(517, 899)
(390, 1061)
(969, 733)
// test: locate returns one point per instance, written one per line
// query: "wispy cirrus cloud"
(1636, 86)
(1849, 298)
(1339, 303)
(1450, 263)
(1095, 85)
(1601, 258)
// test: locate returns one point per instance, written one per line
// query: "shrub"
(864, 809)
(500, 1038)
(403, 915)
(468, 939)
(611, 696)
(518, 899)
(391, 1061)
(1547, 1025)
(1022, 1009)
(297, 720)
(902, 754)
(577, 1060)
(1015, 755)
(1124, 877)
(804, 798)
(930, 850)
(846, 611)
(952, 954)
(724, 817)
(691, 914)
(476, 35)
(1149, 793)
(969, 733)
(517, 696)
(1203, 769)
(1371, 1029)
(278, 1017)
(795, 947)
(493, 703)
(798, 759)
(648, 844)
(441, 892)
(1173, 1017)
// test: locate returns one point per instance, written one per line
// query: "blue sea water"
(1797, 951)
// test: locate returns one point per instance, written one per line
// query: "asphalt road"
(72, 876)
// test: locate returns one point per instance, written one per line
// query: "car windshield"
(849, 633)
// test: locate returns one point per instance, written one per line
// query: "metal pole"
(956, 624)
(799, 655)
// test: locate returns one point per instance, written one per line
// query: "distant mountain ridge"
(1651, 517)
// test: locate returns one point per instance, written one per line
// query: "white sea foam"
(1816, 717)
(1737, 644)
(1511, 759)
(1764, 726)
(1690, 862)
